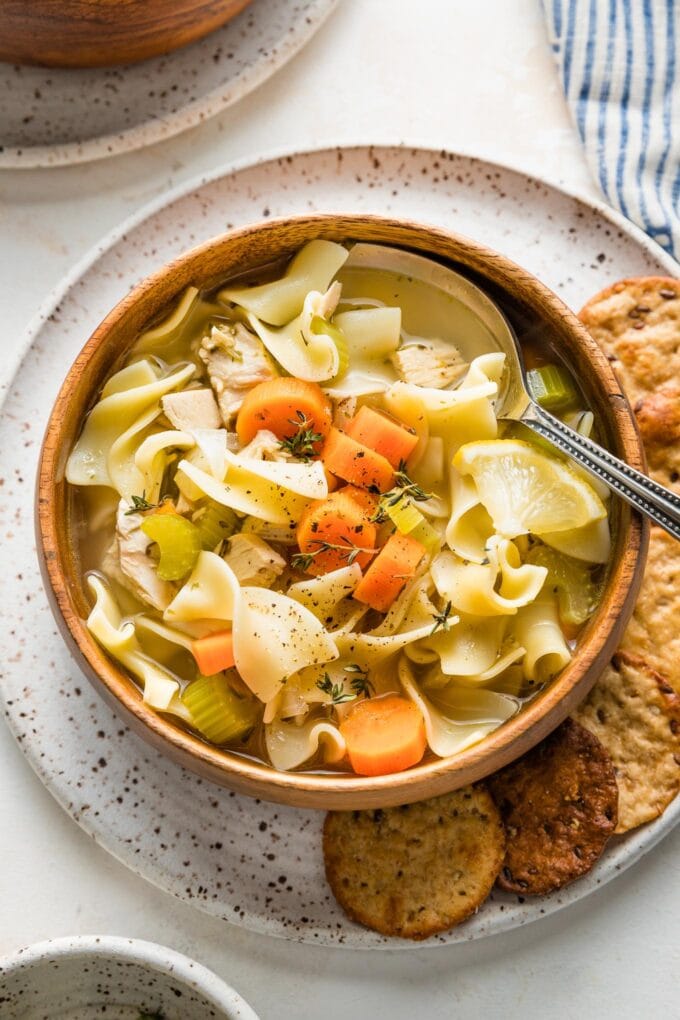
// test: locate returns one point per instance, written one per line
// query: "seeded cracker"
(636, 715)
(416, 870)
(637, 324)
(559, 807)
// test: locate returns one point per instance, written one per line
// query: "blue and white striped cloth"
(619, 63)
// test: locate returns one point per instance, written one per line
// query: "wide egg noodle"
(322, 595)
(591, 543)
(538, 630)
(445, 736)
(370, 332)
(300, 351)
(278, 302)
(274, 637)
(109, 419)
(105, 623)
(467, 648)
(470, 527)
(211, 592)
(497, 587)
(151, 459)
(125, 476)
(261, 488)
(290, 745)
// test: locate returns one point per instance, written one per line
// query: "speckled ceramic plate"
(52, 116)
(254, 864)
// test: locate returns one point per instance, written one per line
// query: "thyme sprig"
(403, 488)
(360, 684)
(141, 503)
(442, 619)
(336, 692)
(301, 443)
(350, 551)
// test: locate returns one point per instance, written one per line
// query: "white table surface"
(477, 77)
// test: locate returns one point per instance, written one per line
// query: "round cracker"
(558, 804)
(636, 715)
(636, 322)
(653, 631)
(415, 870)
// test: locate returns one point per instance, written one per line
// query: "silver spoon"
(517, 402)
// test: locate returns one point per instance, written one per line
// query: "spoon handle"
(646, 495)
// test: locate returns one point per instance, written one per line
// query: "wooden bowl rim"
(333, 790)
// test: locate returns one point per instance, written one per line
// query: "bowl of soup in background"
(533, 310)
(106, 975)
(97, 33)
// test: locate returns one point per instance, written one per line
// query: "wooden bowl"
(530, 306)
(96, 33)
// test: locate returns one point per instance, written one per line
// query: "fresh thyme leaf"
(403, 487)
(361, 685)
(336, 692)
(302, 561)
(140, 503)
(301, 444)
(441, 619)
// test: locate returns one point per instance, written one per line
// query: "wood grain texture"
(529, 305)
(97, 33)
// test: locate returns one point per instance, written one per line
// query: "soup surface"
(305, 533)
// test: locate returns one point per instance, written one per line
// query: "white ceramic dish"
(52, 116)
(89, 976)
(254, 864)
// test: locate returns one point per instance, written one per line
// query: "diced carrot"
(384, 735)
(382, 433)
(331, 479)
(284, 406)
(366, 500)
(166, 507)
(356, 463)
(330, 530)
(214, 652)
(394, 565)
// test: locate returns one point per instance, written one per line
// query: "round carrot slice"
(286, 407)
(384, 735)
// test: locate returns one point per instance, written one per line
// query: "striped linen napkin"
(619, 64)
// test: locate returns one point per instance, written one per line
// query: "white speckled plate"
(255, 864)
(54, 116)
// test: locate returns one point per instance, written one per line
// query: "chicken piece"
(345, 409)
(253, 561)
(265, 446)
(137, 568)
(192, 409)
(428, 364)
(236, 360)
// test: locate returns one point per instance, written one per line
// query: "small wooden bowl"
(530, 306)
(98, 33)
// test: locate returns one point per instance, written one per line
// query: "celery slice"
(577, 592)
(552, 387)
(217, 712)
(179, 543)
(216, 523)
(427, 536)
(404, 515)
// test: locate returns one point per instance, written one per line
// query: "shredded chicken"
(137, 568)
(425, 364)
(253, 561)
(192, 409)
(345, 409)
(236, 361)
(265, 446)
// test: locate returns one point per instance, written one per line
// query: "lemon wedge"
(526, 490)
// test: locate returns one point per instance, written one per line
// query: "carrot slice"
(356, 463)
(394, 565)
(214, 652)
(384, 735)
(330, 530)
(284, 406)
(382, 433)
(364, 499)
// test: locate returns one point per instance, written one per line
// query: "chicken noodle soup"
(305, 533)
